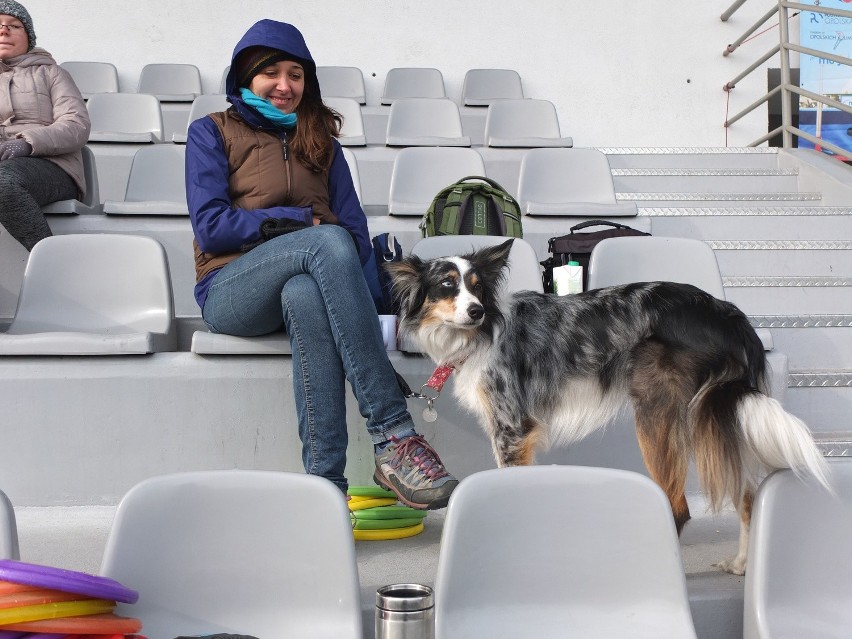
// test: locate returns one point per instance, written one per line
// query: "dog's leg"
(666, 460)
(660, 396)
(513, 445)
(736, 565)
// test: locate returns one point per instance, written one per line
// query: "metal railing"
(786, 88)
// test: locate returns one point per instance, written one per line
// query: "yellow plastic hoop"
(361, 504)
(394, 533)
(55, 610)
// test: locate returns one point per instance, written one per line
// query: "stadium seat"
(342, 82)
(413, 82)
(624, 260)
(171, 82)
(8, 529)
(93, 77)
(481, 87)
(224, 77)
(93, 294)
(523, 123)
(201, 106)
(352, 130)
(425, 122)
(125, 117)
(799, 577)
(91, 202)
(420, 172)
(156, 185)
(569, 182)
(541, 551)
(352, 161)
(257, 553)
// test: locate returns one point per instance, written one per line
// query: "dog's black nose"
(475, 311)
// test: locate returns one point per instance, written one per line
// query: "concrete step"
(683, 157)
(783, 257)
(810, 341)
(789, 295)
(704, 180)
(752, 222)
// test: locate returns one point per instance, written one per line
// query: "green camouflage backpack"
(474, 205)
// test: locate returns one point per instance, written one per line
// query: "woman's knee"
(337, 242)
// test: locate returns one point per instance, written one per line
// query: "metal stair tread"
(652, 196)
(687, 211)
(691, 172)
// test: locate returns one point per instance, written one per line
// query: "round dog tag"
(430, 414)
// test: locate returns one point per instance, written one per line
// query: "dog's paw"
(734, 565)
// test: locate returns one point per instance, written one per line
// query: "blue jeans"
(310, 282)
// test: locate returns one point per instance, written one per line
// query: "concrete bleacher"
(93, 427)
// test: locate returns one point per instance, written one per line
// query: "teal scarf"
(268, 110)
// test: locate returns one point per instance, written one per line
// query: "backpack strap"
(451, 216)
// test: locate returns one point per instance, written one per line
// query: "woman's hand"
(14, 149)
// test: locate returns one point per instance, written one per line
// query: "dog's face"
(452, 292)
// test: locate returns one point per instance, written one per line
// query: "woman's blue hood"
(276, 35)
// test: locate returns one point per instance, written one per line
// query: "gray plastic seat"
(569, 182)
(260, 553)
(352, 130)
(171, 82)
(523, 123)
(481, 87)
(91, 202)
(624, 260)
(420, 172)
(524, 270)
(425, 122)
(413, 82)
(799, 577)
(342, 82)
(224, 78)
(125, 117)
(8, 530)
(201, 106)
(352, 161)
(93, 294)
(560, 551)
(156, 184)
(93, 77)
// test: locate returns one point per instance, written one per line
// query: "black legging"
(27, 184)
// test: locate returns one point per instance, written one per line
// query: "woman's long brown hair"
(317, 125)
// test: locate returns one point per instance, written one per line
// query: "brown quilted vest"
(261, 177)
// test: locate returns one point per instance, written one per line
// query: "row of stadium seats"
(173, 82)
(569, 519)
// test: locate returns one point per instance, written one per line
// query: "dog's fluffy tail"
(740, 433)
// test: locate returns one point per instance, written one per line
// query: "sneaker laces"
(421, 454)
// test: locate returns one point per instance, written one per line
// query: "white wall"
(621, 73)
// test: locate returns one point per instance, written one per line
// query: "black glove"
(273, 227)
(15, 148)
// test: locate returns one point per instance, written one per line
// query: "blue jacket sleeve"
(345, 203)
(219, 227)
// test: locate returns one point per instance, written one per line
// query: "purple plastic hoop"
(9, 634)
(81, 583)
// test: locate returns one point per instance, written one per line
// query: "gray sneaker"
(411, 468)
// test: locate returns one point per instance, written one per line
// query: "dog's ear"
(492, 260)
(405, 281)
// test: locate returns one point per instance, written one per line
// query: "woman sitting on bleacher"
(43, 126)
(280, 239)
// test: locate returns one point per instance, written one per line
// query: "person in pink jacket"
(43, 125)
